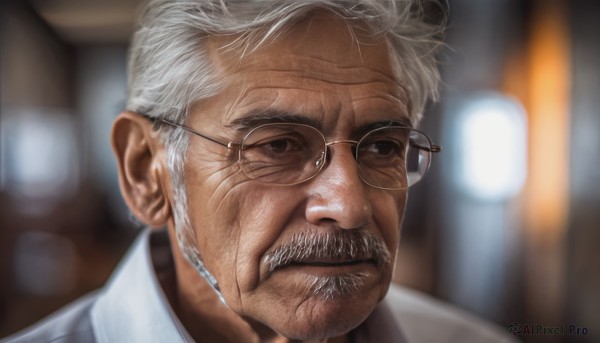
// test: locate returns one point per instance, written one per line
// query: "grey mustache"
(313, 246)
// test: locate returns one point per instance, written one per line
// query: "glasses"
(390, 157)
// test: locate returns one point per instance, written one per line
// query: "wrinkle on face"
(299, 97)
(237, 220)
(320, 70)
(303, 62)
(307, 78)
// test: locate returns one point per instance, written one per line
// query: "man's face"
(316, 73)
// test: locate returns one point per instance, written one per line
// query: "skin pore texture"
(316, 73)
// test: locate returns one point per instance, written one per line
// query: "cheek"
(388, 212)
(263, 217)
(236, 222)
(212, 212)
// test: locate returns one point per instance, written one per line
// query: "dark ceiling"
(89, 21)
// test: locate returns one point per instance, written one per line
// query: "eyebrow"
(362, 130)
(385, 123)
(256, 118)
(261, 117)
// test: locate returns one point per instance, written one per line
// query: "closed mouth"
(332, 263)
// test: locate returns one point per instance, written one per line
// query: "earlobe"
(143, 177)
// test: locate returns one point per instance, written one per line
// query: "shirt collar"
(381, 326)
(134, 308)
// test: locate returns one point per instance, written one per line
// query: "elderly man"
(275, 141)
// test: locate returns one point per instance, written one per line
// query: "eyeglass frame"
(434, 148)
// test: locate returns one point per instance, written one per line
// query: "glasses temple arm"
(229, 145)
(434, 147)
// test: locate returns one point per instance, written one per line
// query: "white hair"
(169, 67)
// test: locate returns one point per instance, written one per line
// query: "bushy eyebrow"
(261, 117)
(256, 118)
(382, 123)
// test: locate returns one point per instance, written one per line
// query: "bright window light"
(492, 147)
(41, 153)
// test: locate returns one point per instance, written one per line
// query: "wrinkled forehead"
(322, 65)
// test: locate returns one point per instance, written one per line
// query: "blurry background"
(506, 225)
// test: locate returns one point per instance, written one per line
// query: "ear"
(143, 175)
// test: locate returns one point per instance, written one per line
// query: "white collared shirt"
(132, 307)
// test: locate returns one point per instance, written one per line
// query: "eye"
(382, 148)
(282, 145)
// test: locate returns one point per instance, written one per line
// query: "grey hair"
(169, 66)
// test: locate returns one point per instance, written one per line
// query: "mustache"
(332, 246)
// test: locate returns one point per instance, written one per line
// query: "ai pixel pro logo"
(518, 329)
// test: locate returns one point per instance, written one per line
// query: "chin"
(322, 319)
(310, 303)
(325, 315)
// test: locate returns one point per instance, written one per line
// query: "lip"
(320, 268)
(335, 263)
(298, 271)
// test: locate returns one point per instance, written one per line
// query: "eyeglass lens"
(286, 154)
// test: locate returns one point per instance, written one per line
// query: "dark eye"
(381, 148)
(281, 145)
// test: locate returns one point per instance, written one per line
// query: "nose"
(337, 195)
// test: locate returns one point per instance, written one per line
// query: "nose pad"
(325, 157)
(338, 194)
(320, 162)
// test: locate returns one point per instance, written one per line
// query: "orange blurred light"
(543, 85)
(548, 104)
